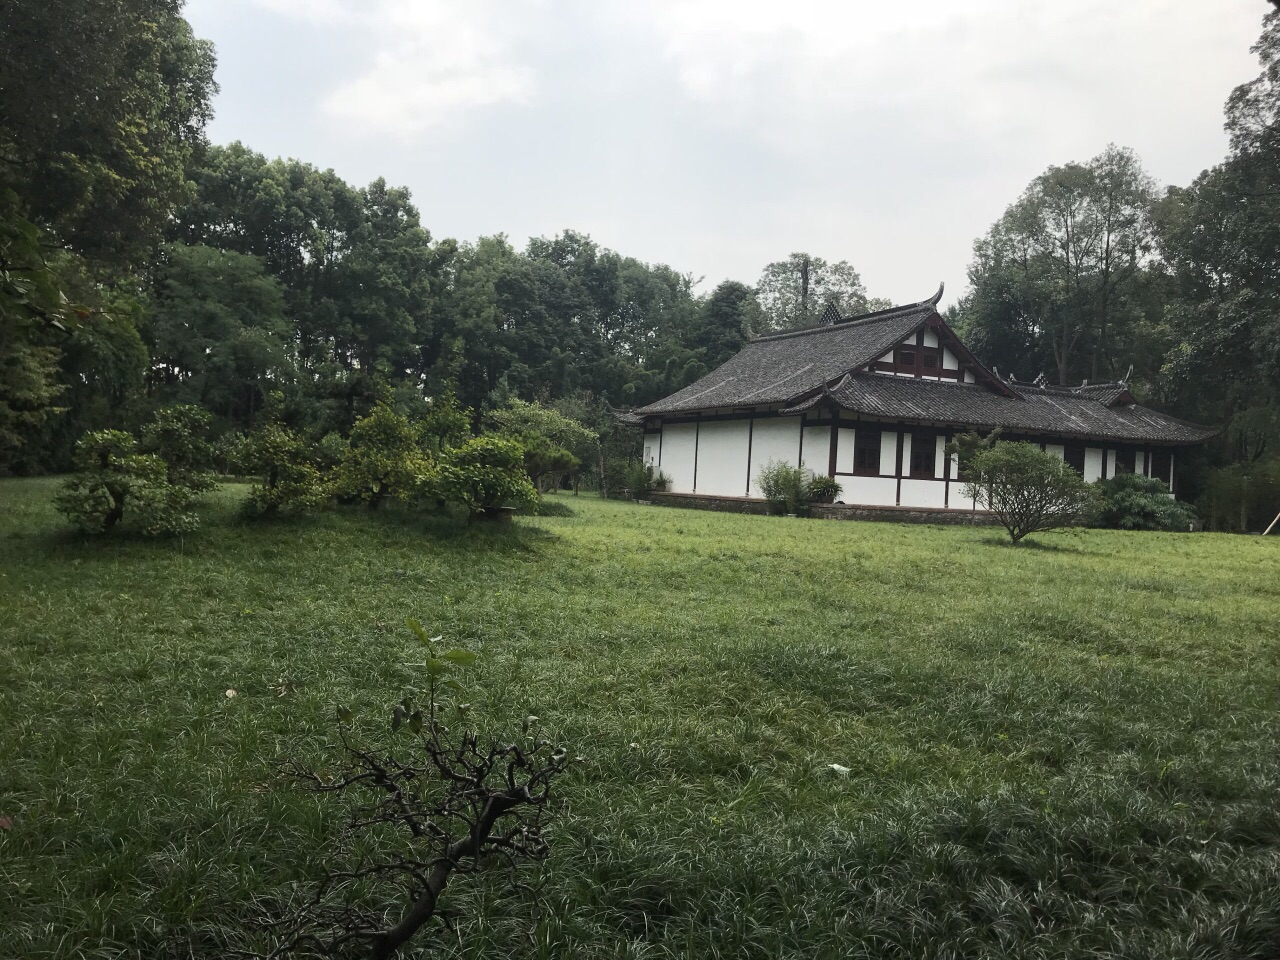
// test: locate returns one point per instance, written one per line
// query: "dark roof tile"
(1054, 411)
(778, 368)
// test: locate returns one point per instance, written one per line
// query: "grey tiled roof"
(784, 366)
(801, 369)
(1060, 411)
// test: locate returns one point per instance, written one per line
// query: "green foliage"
(1058, 280)
(217, 331)
(1028, 490)
(641, 479)
(32, 310)
(522, 418)
(965, 446)
(288, 478)
(447, 423)
(553, 443)
(822, 489)
(112, 476)
(1129, 501)
(794, 292)
(330, 449)
(543, 458)
(784, 487)
(383, 459)
(483, 474)
(101, 108)
(180, 437)
(1241, 497)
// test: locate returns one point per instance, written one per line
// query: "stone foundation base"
(826, 511)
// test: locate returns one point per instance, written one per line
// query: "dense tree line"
(1095, 274)
(142, 267)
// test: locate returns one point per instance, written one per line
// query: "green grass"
(1064, 751)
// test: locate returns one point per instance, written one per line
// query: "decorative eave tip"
(937, 297)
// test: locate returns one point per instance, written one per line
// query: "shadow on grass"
(454, 529)
(227, 530)
(1029, 544)
(549, 508)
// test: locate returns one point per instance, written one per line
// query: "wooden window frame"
(860, 444)
(923, 445)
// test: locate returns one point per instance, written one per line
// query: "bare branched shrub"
(459, 803)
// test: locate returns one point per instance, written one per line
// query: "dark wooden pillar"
(898, 465)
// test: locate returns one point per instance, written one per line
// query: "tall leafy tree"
(725, 319)
(1220, 238)
(101, 107)
(795, 291)
(1055, 281)
(217, 331)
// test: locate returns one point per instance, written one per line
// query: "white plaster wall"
(949, 361)
(844, 450)
(924, 493)
(1092, 464)
(1057, 449)
(816, 454)
(930, 339)
(1140, 462)
(869, 491)
(906, 452)
(777, 438)
(651, 443)
(940, 457)
(678, 441)
(1169, 478)
(722, 458)
(1111, 463)
(888, 454)
(969, 377)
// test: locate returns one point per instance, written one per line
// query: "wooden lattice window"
(866, 453)
(923, 455)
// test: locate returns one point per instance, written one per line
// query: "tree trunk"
(116, 513)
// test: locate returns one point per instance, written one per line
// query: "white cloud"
(430, 61)
(982, 68)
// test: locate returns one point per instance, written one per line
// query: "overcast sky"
(718, 135)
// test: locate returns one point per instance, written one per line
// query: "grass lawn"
(1069, 749)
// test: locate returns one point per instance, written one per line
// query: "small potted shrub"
(823, 490)
(661, 482)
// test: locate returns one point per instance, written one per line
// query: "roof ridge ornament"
(1041, 380)
(937, 297)
(831, 315)
(1127, 376)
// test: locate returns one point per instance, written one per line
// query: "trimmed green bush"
(115, 480)
(483, 474)
(179, 435)
(288, 479)
(383, 459)
(1133, 502)
(1027, 489)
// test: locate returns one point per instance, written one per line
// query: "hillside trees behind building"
(144, 267)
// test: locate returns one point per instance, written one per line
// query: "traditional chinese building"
(872, 401)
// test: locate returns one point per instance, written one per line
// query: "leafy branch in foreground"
(456, 805)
